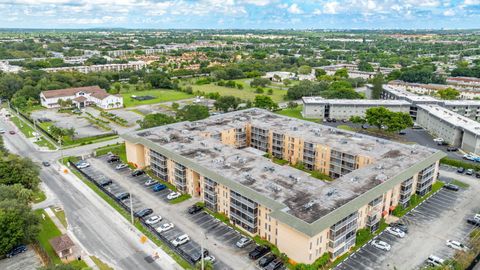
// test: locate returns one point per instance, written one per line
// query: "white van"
(435, 261)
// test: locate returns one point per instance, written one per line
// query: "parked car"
(442, 143)
(143, 213)
(456, 245)
(381, 245)
(402, 132)
(150, 182)
(402, 226)
(16, 250)
(153, 220)
(243, 242)
(46, 164)
(395, 232)
(210, 258)
(165, 227)
(476, 217)
(469, 157)
(194, 209)
(473, 221)
(258, 252)
(265, 260)
(470, 172)
(477, 174)
(274, 265)
(121, 166)
(173, 195)
(112, 159)
(11, 132)
(451, 187)
(180, 240)
(122, 196)
(158, 187)
(438, 140)
(105, 182)
(138, 172)
(461, 170)
(197, 255)
(82, 165)
(2, 131)
(364, 126)
(435, 261)
(452, 149)
(415, 126)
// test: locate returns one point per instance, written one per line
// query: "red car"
(12, 132)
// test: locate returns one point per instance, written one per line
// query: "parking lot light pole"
(131, 207)
(203, 243)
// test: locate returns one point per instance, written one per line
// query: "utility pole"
(131, 207)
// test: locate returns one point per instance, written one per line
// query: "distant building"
(135, 65)
(81, 97)
(7, 68)
(464, 81)
(279, 76)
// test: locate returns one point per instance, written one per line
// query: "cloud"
(331, 7)
(449, 12)
(294, 9)
(471, 2)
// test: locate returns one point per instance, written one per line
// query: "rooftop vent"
(381, 177)
(184, 131)
(203, 144)
(331, 192)
(308, 205)
(379, 167)
(216, 148)
(269, 168)
(354, 179)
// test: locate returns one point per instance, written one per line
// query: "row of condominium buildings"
(225, 161)
(456, 121)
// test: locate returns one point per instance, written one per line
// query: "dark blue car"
(17, 250)
(158, 187)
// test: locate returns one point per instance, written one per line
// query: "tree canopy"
(193, 112)
(448, 93)
(383, 118)
(227, 103)
(156, 119)
(265, 102)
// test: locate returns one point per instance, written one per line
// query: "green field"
(48, 230)
(24, 128)
(161, 95)
(296, 113)
(247, 93)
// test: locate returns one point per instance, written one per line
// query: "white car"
(476, 217)
(438, 140)
(2, 131)
(180, 240)
(381, 245)
(83, 165)
(121, 166)
(153, 220)
(456, 245)
(173, 195)
(243, 242)
(209, 258)
(150, 182)
(165, 227)
(395, 231)
(469, 157)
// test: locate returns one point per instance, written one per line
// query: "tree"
(448, 93)
(226, 103)
(17, 170)
(259, 82)
(193, 112)
(386, 119)
(306, 88)
(265, 102)
(156, 119)
(159, 80)
(342, 73)
(357, 120)
(377, 88)
(9, 84)
(319, 72)
(304, 69)
(365, 66)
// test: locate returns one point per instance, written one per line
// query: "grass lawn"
(460, 184)
(24, 128)
(247, 92)
(48, 230)
(79, 264)
(44, 143)
(297, 113)
(345, 127)
(101, 265)
(39, 196)
(180, 199)
(161, 95)
(61, 216)
(117, 149)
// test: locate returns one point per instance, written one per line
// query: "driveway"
(217, 237)
(436, 220)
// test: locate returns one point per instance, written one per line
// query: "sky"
(241, 14)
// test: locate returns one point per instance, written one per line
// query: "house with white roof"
(81, 97)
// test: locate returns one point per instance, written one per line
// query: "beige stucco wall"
(135, 154)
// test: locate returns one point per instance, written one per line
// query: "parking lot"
(25, 261)
(441, 217)
(201, 227)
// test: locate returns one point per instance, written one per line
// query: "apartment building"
(467, 91)
(467, 108)
(221, 161)
(134, 65)
(318, 107)
(464, 81)
(454, 128)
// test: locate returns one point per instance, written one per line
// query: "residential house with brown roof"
(81, 97)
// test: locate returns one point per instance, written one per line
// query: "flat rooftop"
(453, 118)
(409, 96)
(353, 102)
(302, 198)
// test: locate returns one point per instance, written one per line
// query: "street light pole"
(203, 243)
(131, 207)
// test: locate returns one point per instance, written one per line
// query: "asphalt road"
(98, 227)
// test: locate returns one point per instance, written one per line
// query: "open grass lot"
(117, 149)
(24, 128)
(39, 196)
(161, 95)
(101, 265)
(296, 113)
(48, 230)
(247, 92)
